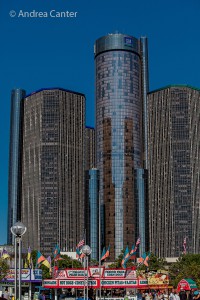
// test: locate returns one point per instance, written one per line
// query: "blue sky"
(58, 52)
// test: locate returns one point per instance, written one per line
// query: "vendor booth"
(187, 285)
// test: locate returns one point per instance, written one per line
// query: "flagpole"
(99, 247)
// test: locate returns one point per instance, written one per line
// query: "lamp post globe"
(86, 250)
(18, 229)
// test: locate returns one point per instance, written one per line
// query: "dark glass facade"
(14, 183)
(119, 133)
(90, 148)
(173, 141)
(92, 212)
(142, 216)
(53, 169)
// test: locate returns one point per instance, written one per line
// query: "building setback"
(173, 166)
(121, 86)
(14, 182)
(53, 169)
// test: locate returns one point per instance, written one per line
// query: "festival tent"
(187, 285)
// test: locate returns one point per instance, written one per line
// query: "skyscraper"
(174, 170)
(92, 211)
(53, 169)
(90, 149)
(121, 88)
(14, 183)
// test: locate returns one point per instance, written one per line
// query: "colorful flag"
(107, 253)
(5, 254)
(133, 252)
(82, 255)
(46, 263)
(49, 260)
(103, 253)
(78, 253)
(147, 259)
(40, 259)
(184, 246)
(138, 241)
(141, 259)
(125, 258)
(81, 243)
(56, 253)
(29, 260)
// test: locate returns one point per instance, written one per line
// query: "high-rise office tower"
(121, 88)
(92, 211)
(90, 150)
(53, 169)
(174, 170)
(14, 183)
(91, 193)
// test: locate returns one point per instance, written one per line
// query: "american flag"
(81, 243)
(138, 241)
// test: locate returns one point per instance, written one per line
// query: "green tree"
(67, 263)
(187, 266)
(154, 264)
(3, 268)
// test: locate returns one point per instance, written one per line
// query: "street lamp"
(87, 251)
(18, 229)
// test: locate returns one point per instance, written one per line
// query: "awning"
(186, 284)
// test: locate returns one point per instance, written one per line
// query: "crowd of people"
(173, 295)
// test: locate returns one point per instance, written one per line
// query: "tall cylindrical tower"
(119, 136)
(14, 181)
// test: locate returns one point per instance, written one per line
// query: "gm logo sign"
(128, 41)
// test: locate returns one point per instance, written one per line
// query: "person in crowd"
(172, 296)
(6, 294)
(176, 295)
(196, 295)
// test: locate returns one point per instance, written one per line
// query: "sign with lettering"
(31, 275)
(119, 283)
(49, 282)
(114, 273)
(76, 273)
(77, 283)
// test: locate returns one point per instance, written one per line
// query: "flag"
(56, 252)
(107, 253)
(5, 254)
(29, 258)
(103, 253)
(82, 255)
(141, 259)
(81, 243)
(40, 259)
(49, 260)
(138, 241)
(133, 252)
(78, 253)
(46, 263)
(184, 246)
(125, 258)
(146, 260)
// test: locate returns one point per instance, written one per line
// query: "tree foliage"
(67, 263)
(154, 264)
(187, 266)
(3, 268)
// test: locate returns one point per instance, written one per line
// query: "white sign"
(114, 273)
(118, 283)
(77, 283)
